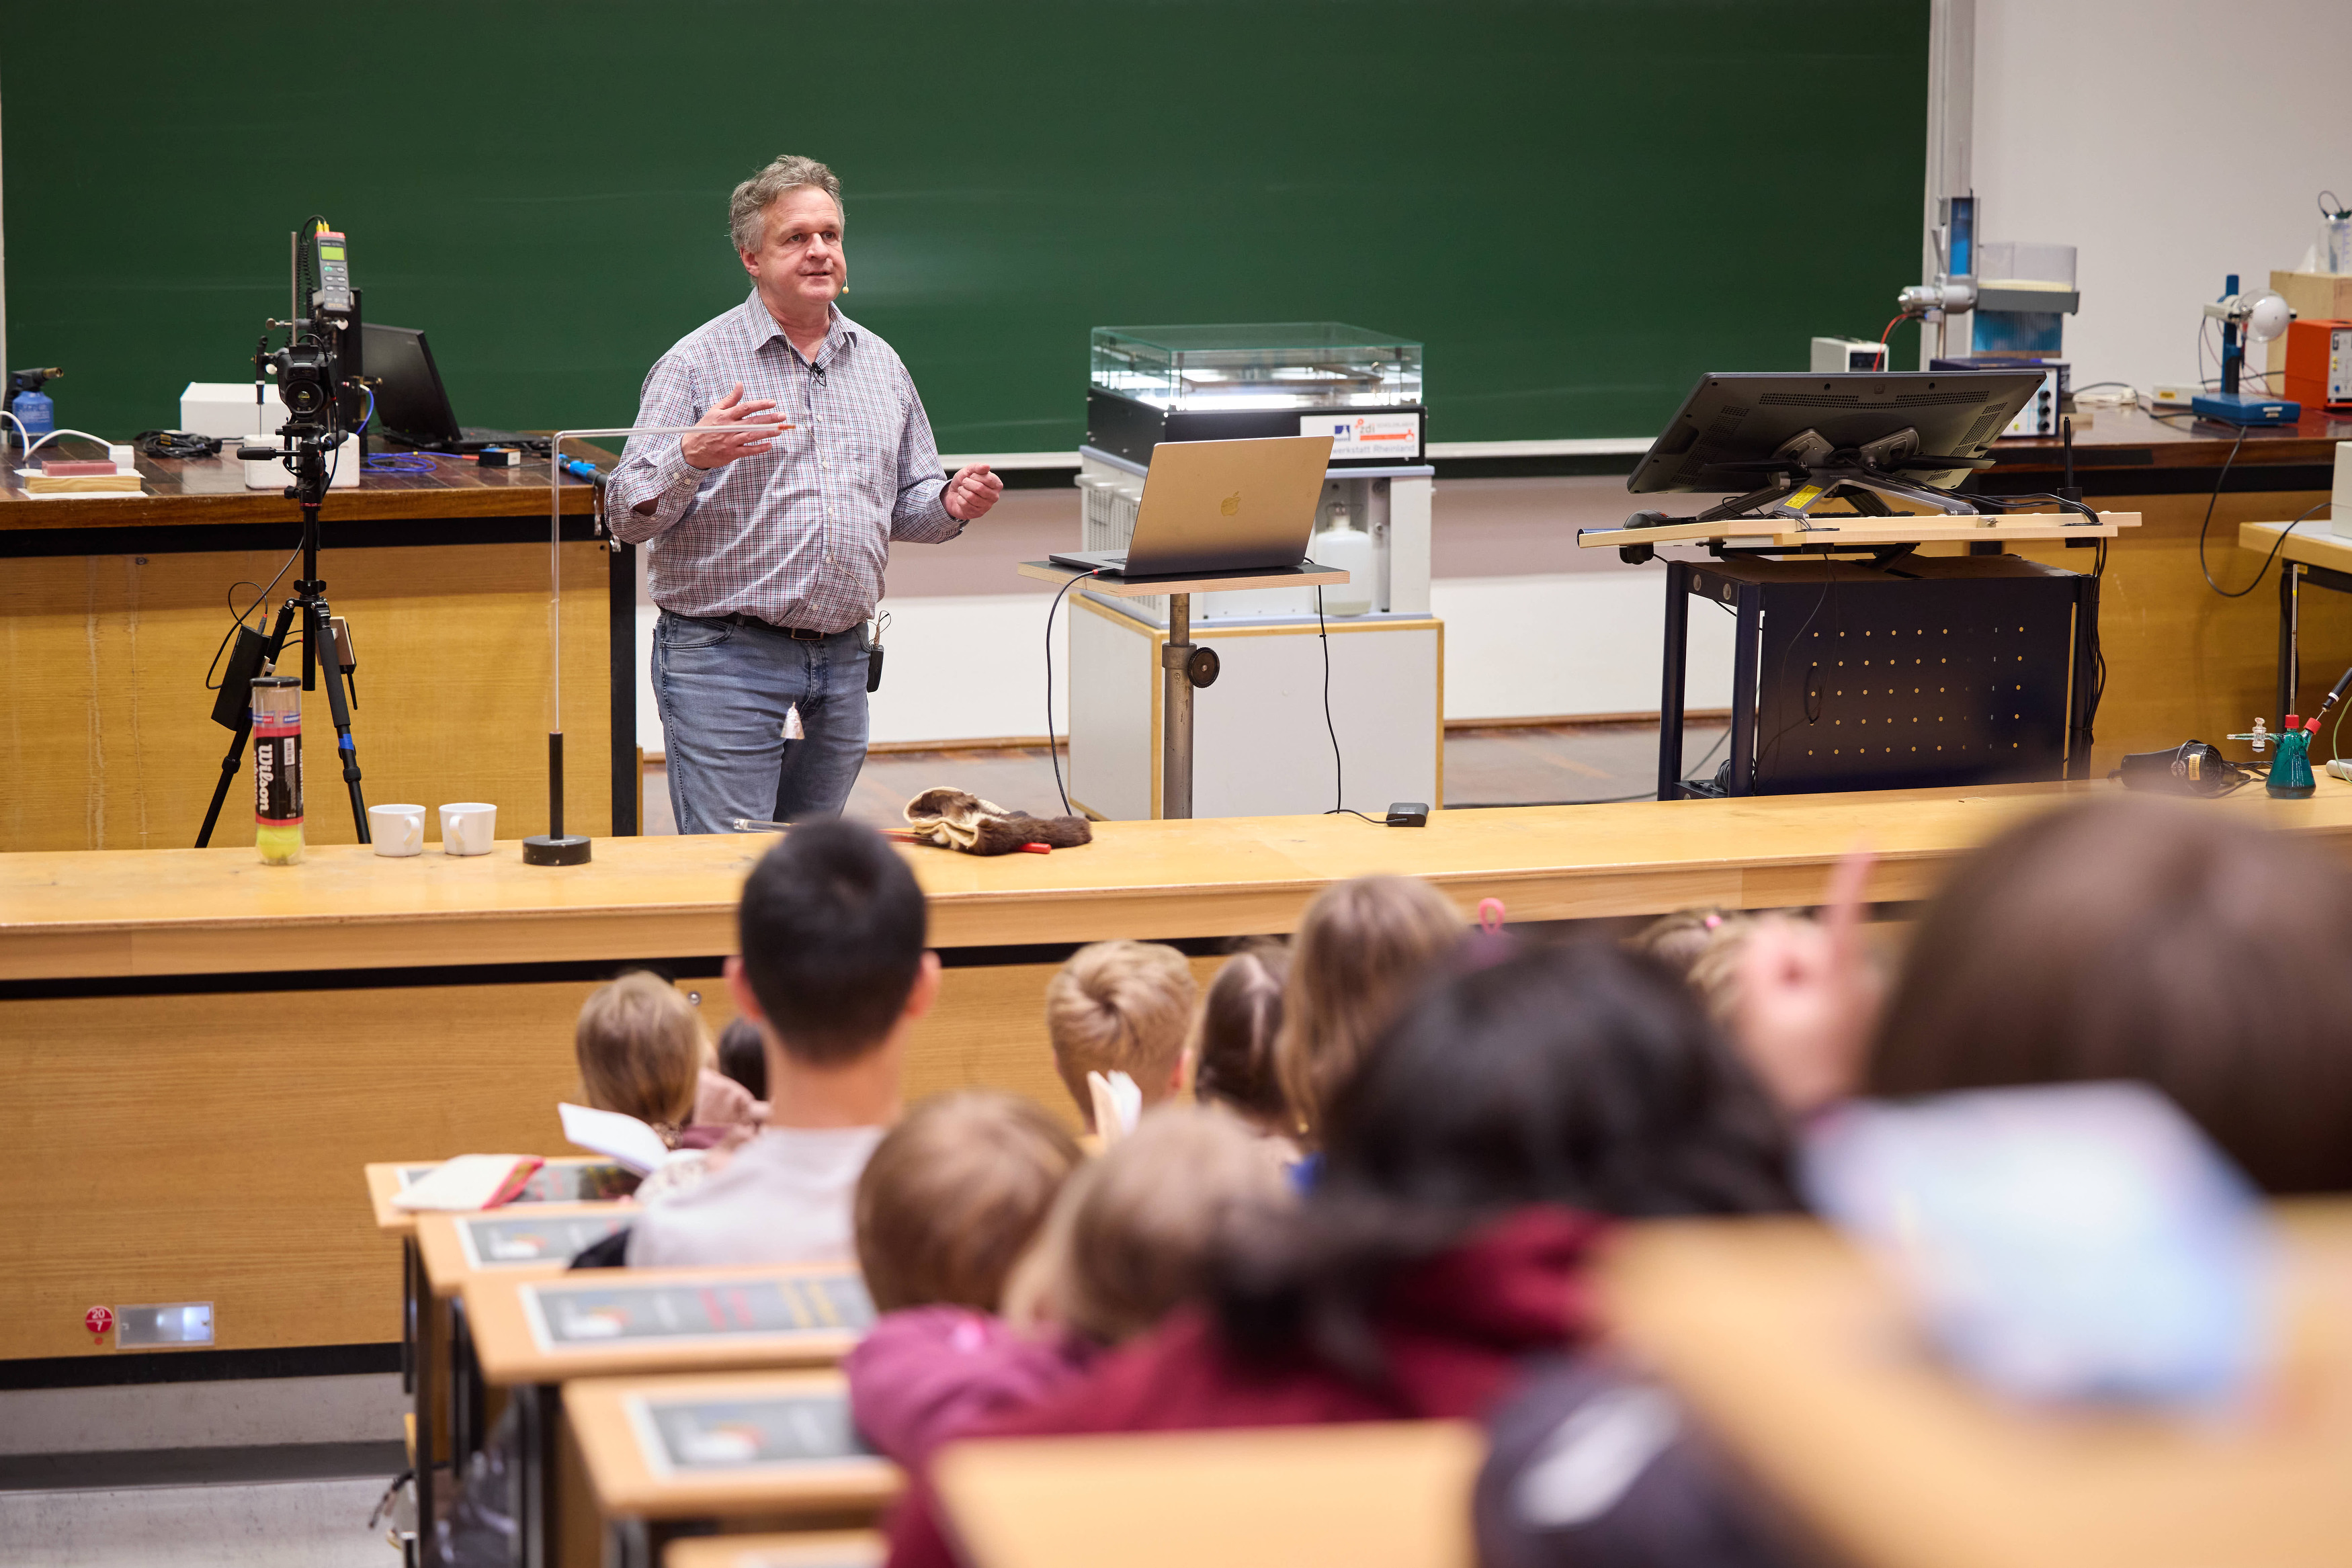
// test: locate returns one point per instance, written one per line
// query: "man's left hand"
(972, 492)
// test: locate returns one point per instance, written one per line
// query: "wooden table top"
(1307, 575)
(501, 1308)
(2139, 439)
(606, 1415)
(383, 1180)
(1798, 1354)
(808, 1549)
(169, 912)
(1852, 529)
(2313, 542)
(1370, 1494)
(210, 490)
(453, 1251)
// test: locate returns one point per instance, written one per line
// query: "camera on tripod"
(318, 371)
(318, 374)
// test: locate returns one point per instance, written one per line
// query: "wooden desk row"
(682, 1402)
(171, 1016)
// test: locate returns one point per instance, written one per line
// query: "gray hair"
(747, 210)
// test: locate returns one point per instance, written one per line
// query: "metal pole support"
(1176, 710)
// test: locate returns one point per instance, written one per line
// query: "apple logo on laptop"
(1232, 505)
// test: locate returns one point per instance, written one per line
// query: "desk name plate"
(572, 1315)
(708, 1436)
(519, 1241)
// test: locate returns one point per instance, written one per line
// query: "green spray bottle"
(2291, 777)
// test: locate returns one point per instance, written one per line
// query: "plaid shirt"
(798, 535)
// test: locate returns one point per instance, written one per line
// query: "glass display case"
(1150, 384)
(1277, 365)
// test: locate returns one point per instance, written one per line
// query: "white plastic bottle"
(1348, 548)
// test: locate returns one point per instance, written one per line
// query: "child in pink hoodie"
(1127, 1239)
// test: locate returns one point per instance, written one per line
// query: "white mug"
(397, 830)
(466, 828)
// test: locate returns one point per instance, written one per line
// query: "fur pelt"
(959, 819)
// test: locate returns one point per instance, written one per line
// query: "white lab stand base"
(1259, 746)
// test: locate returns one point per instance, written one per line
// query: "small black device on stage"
(2191, 768)
(318, 371)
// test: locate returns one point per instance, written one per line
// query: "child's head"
(1580, 1075)
(953, 1197)
(2127, 937)
(1133, 1234)
(1233, 1042)
(640, 1047)
(743, 1056)
(1120, 1006)
(1364, 947)
(1681, 939)
(832, 927)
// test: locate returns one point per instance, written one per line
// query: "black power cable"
(1339, 776)
(1050, 750)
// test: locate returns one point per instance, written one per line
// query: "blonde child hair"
(1120, 1006)
(641, 1050)
(1363, 947)
(953, 1194)
(1679, 940)
(1233, 1040)
(1133, 1234)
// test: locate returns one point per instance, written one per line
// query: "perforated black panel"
(1879, 680)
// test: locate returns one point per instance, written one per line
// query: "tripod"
(234, 710)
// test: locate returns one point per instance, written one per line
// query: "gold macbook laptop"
(1220, 505)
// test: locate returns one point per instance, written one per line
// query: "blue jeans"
(723, 691)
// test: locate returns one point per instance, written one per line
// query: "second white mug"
(397, 830)
(466, 826)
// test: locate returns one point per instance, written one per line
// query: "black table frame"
(1747, 607)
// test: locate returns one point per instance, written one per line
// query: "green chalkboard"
(1578, 205)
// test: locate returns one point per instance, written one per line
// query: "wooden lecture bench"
(530, 1337)
(261, 1030)
(536, 1233)
(1799, 1353)
(1371, 1494)
(806, 1549)
(748, 1451)
(115, 605)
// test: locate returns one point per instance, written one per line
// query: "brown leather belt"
(797, 634)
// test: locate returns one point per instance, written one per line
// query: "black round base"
(540, 850)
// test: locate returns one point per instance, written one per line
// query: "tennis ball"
(279, 845)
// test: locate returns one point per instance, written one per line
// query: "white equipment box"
(1260, 745)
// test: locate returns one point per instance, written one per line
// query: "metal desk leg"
(411, 1272)
(1176, 710)
(465, 1390)
(1745, 655)
(621, 633)
(426, 1433)
(535, 1413)
(2290, 609)
(2085, 691)
(1670, 699)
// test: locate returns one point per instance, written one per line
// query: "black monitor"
(1735, 433)
(410, 404)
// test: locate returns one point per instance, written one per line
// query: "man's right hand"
(736, 432)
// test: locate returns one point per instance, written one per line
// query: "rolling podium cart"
(1183, 666)
(1860, 664)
